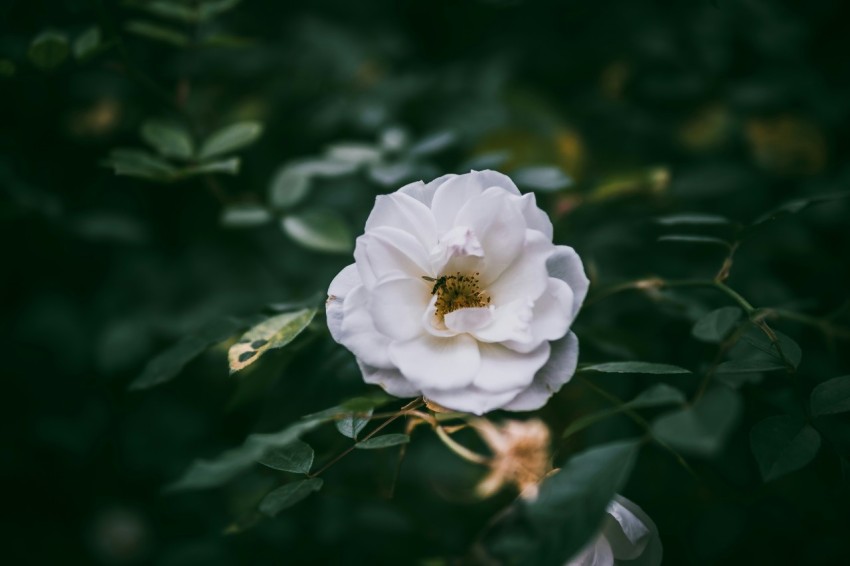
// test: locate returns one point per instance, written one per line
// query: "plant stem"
(459, 449)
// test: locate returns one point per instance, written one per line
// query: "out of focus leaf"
(168, 139)
(245, 216)
(204, 474)
(352, 423)
(229, 166)
(230, 138)
(272, 333)
(831, 397)
(492, 160)
(702, 428)
(289, 186)
(689, 239)
(798, 205)
(169, 363)
(692, 219)
(140, 163)
(433, 143)
(391, 174)
(157, 32)
(48, 50)
(383, 441)
(296, 457)
(716, 325)
(749, 366)
(542, 178)
(366, 403)
(320, 230)
(635, 367)
(87, 43)
(288, 495)
(755, 350)
(356, 153)
(185, 13)
(783, 444)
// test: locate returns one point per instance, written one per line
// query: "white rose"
(457, 293)
(628, 537)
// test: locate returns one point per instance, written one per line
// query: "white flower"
(627, 534)
(457, 293)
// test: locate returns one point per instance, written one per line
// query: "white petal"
(407, 214)
(434, 325)
(469, 319)
(565, 265)
(455, 192)
(526, 277)
(503, 369)
(386, 252)
(511, 322)
(437, 363)
(461, 241)
(597, 553)
(422, 192)
(498, 225)
(469, 399)
(390, 380)
(553, 311)
(558, 370)
(345, 281)
(358, 333)
(397, 306)
(632, 534)
(535, 218)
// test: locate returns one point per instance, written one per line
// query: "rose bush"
(457, 293)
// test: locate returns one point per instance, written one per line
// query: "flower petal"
(632, 534)
(407, 214)
(345, 281)
(503, 369)
(456, 191)
(437, 363)
(510, 322)
(386, 252)
(535, 218)
(423, 192)
(468, 319)
(564, 264)
(552, 311)
(526, 277)
(390, 380)
(558, 370)
(469, 399)
(358, 333)
(397, 305)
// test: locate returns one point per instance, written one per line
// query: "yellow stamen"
(458, 292)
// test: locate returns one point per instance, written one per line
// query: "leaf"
(168, 139)
(489, 160)
(798, 205)
(391, 174)
(352, 423)
(384, 441)
(140, 163)
(692, 219)
(689, 239)
(288, 495)
(189, 14)
(831, 397)
(355, 404)
(231, 138)
(167, 365)
(749, 366)
(756, 352)
(157, 32)
(48, 50)
(296, 457)
(203, 474)
(320, 230)
(716, 325)
(245, 216)
(571, 503)
(229, 166)
(271, 334)
(542, 178)
(658, 395)
(635, 367)
(356, 153)
(702, 428)
(783, 444)
(433, 143)
(289, 186)
(87, 43)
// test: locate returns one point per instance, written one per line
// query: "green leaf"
(658, 395)
(320, 230)
(831, 397)
(356, 153)
(356, 404)
(716, 325)
(692, 220)
(391, 174)
(7, 68)
(231, 138)
(571, 503)
(87, 43)
(245, 216)
(48, 50)
(229, 166)
(167, 365)
(271, 334)
(289, 186)
(350, 424)
(296, 457)
(288, 495)
(384, 441)
(635, 367)
(140, 163)
(701, 429)
(433, 143)
(798, 205)
(168, 139)
(783, 444)
(690, 239)
(179, 12)
(157, 32)
(203, 474)
(542, 178)
(749, 366)
(755, 350)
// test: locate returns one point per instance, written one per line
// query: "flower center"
(457, 292)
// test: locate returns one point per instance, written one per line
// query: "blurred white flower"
(457, 293)
(628, 537)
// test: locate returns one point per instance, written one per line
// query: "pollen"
(458, 291)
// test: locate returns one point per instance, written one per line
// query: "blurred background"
(118, 244)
